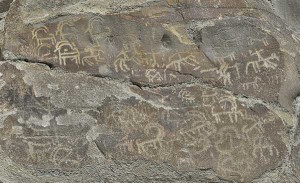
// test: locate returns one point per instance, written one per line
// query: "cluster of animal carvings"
(59, 48)
(246, 58)
(63, 45)
(23, 136)
(201, 128)
(213, 130)
(42, 146)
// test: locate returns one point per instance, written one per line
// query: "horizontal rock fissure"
(142, 86)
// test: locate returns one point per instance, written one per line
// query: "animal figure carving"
(261, 62)
(154, 143)
(67, 52)
(43, 36)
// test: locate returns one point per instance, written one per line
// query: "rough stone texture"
(296, 145)
(4, 6)
(2, 21)
(149, 91)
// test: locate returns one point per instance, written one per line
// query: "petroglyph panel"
(57, 147)
(215, 131)
(149, 91)
(191, 127)
(233, 54)
(30, 134)
(188, 127)
(98, 45)
(247, 59)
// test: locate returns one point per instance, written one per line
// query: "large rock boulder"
(149, 91)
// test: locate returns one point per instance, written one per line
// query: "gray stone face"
(195, 127)
(4, 5)
(289, 11)
(149, 91)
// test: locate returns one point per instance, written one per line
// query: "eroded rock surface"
(149, 91)
(47, 123)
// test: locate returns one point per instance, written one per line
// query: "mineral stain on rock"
(149, 91)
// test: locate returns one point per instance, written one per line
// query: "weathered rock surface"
(159, 45)
(149, 91)
(52, 120)
(4, 6)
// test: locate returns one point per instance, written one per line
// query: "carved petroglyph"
(190, 112)
(153, 75)
(61, 46)
(130, 56)
(261, 147)
(252, 129)
(66, 155)
(100, 34)
(196, 135)
(123, 58)
(176, 61)
(43, 36)
(221, 58)
(44, 50)
(220, 126)
(67, 52)
(259, 37)
(261, 62)
(254, 50)
(224, 76)
(275, 79)
(155, 143)
(225, 67)
(185, 159)
(193, 134)
(235, 164)
(225, 71)
(95, 55)
(229, 139)
(133, 54)
(64, 31)
(129, 117)
(186, 96)
(172, 117)
(252, 84)
(255, 136)
(126, 146)
(229, 110)
(43, 146)
(152, 59)
(209, 98)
